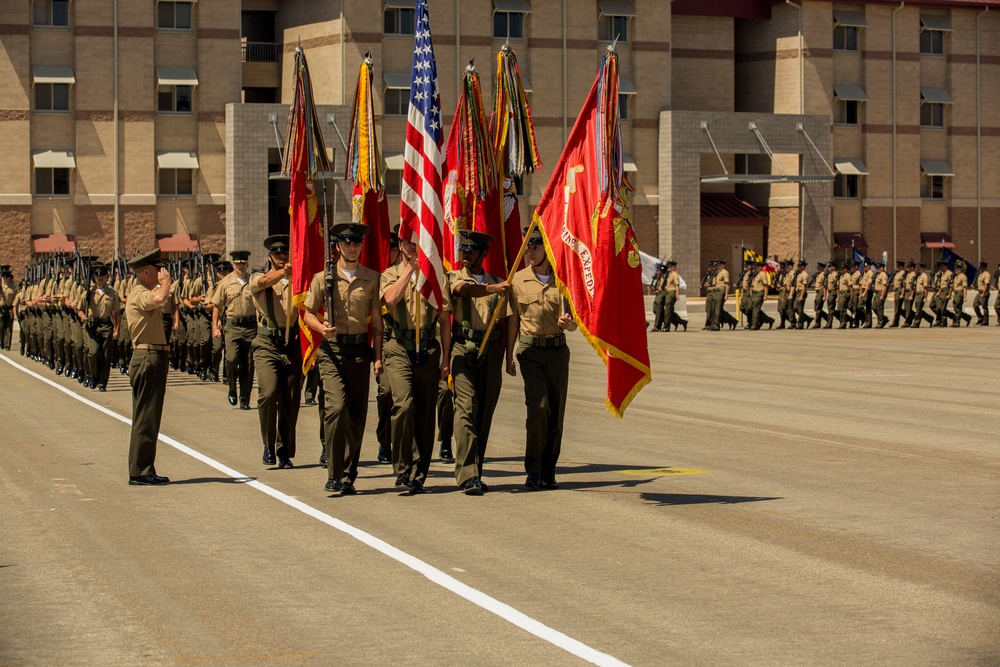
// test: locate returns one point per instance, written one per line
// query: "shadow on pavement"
(674, 499)
(210, 480)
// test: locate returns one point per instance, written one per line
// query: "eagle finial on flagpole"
(368, 57)
(471, 67)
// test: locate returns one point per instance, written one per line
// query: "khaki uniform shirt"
(909, 281)
(270, 302)
(819, 281)
(897, 280)
(673, 282)
(721, 279)
(760, 282)
(102, 304)
(844, 282)
(946, 279)
(866, 281)
(482, 307)
(856, 280)
(538, 304)
(353, 299)
(411, 297)
(983, 282)
(801, 283)
(959, 284)
(881, 281)
(233, 297)
(921, 283)
(7, 294)
(145, 325)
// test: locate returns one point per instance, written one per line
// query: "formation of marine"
(146, 316)
(845, 294)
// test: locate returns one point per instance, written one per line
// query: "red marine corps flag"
(364, 169)
(590, 241)
(305, 157)
(420, 210)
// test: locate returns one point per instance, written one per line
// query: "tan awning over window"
(177, 160)
(177, 242)
(629, 164)
(845, 92)
(396, 80)
(526, 84)
(515, 6)
(936, 168)
(394, 161)
(936, 95)
(53, 74)
(54, 160)
(850, 166)
(942, 23)
(53, 243)
(850, 19)
(401, 4)
(625, 86)
(176, 76)
(615, 8)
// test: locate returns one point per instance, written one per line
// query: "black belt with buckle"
(544, 341)
(351, 339)
(241, 321)
(461, 334)
(409, 334)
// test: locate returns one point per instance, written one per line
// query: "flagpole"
(510, 276)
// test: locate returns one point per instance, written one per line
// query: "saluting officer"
(149, 365)
(538, 328)
(102, 323)
(476, 294)
(234, 300)
(414, 365)
(277, 360)
(982, 303)
(345, 358)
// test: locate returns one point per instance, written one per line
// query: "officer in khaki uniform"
(8, 293)
(102, 322)
(865, 284)
(717, 292)
(959, 286)
(880, 289)
(781, 281)
(538, 329)
(345, 357)
(234, 300)
(759, 284)
(844, 294)
(818, 284)
(223, 268)
(944, 294)
(799, 292)
(982, 302)
(832, 291)
(278, 361)
(383, 396)
(475, 294)
(150, 362)
(897, 292)
(909, 288)
(413, 369)
(919, 296)
(671, 294)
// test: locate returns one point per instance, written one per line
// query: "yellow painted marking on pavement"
(662, 472)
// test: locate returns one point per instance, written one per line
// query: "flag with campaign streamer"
(364, 168)
(516, 149)
(956, 264)
(471, 175)
(305, 157)
(590, 241)
(421, 214)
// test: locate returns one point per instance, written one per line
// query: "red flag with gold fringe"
(591, 244)
(305, 157)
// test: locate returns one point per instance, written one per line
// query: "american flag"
(420, 211)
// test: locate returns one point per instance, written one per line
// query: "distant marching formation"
(842, 290)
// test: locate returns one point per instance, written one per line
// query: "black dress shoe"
(310, 400)
(322, 456)
(232, 398)
(472, 487)
(347, 489)
(59, 370)
(215, 376)
(402, 479)
(244, 405)
(203, 376)
(123, 370)
(549, 483)
(333, 486)
(285, 463)
(101, 388)
(533, 481)
(384, 455)
(268, 457)
(446, 455)
(147, 480)
(483, 486)
(417, 487)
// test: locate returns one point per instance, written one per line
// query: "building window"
(174, 99)
(932, 187)
(610, 28)
(623, 106)
(52, 182)
(508, 25)
(174, 15)
(393, 179)
(176, 182)
(397, 102)
(932, 42)
(931, 114)
(846, 186)
(51, 97)
(51, 13)
(845, 112)
(845, 38)
(399, 21)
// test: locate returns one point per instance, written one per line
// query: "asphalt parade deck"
(771, 498)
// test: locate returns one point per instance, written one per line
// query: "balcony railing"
(261, 52)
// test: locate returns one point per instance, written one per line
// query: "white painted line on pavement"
(437, 576)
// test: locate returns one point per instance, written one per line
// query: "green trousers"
(414, 398)
(345, 371)
(546, 379)
(148, 377)
(99, 346)
(477, 389)
(445, 414)
(279, 387)
(239, 358)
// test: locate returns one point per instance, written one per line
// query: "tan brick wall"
(644, 219)
(701, 78)
(212, 228)
(95, 230)
(783, 233)
(138, 228)
(15, 238)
